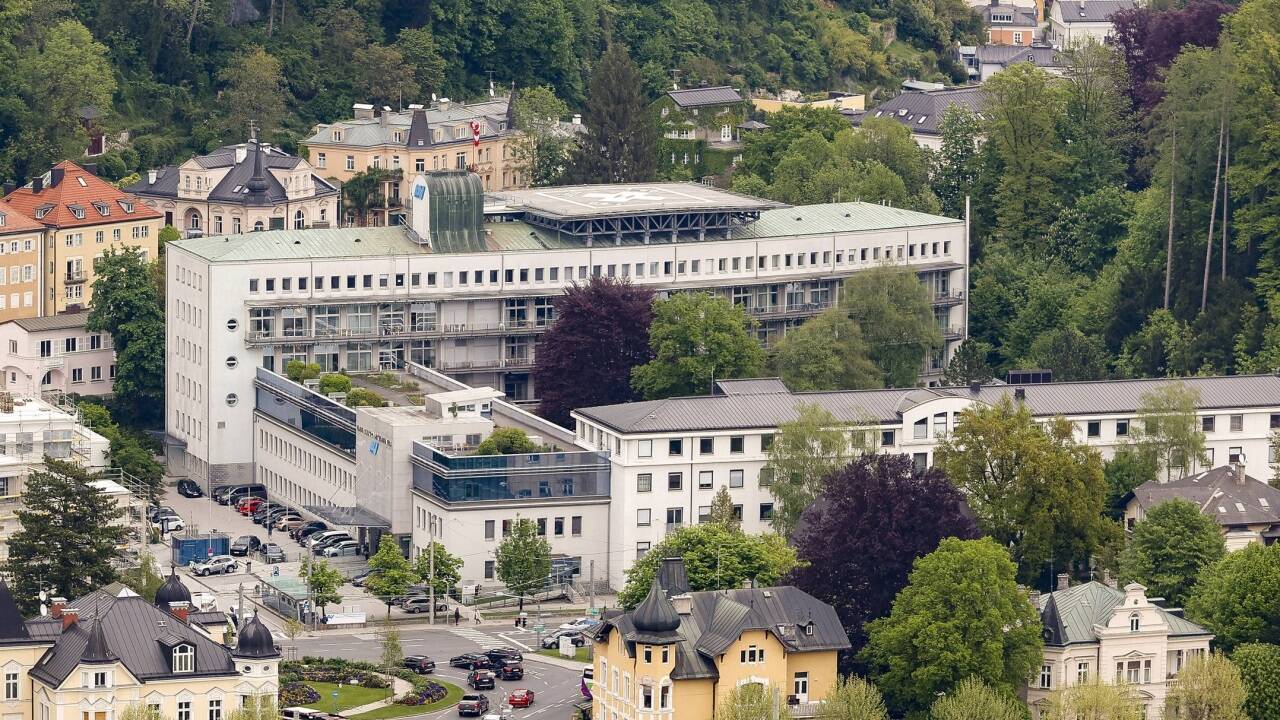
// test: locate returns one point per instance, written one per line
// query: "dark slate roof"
(655, 619)
(419, 130)
(208, 619)
(255, 641)
(1022, 16)
(1100, 397)
(1251, 502)
(238, 175)
(172, 591)
(703, 96)
(922, 112)
(1079, 608)
(673, 577)
(1006, 55)
(12, 630)
(97, 650)
(63, 321)
(1091, 10)
(720, 617)
(132, 629)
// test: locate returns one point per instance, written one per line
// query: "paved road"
(556, 688)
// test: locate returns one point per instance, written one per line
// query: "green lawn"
(349, 696)
(583, 654)
(398, 711)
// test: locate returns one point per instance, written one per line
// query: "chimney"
(242, 152)
(180, 609)
(683, 604)
(55, 176)
(69, 617)
(1034, 597)
(415, 106)
(1239, 473)
(56, 605)
(91, 168)
(37, 184)
(1107, 579)
(151, 175)
(362, 111)
(444, 104)
(1019, 394)
(577, 119)
(1064, 581)
(975, 387)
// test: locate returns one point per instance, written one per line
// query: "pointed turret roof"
(12, 627)
(419, 130)
(511, 107)
(257, 184)
(655, 618)
(254, 641)
(97, 650)
(172, 591)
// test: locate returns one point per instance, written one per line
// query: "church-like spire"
(12, 626)
(97, 650)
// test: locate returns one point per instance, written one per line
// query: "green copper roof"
(303, 244)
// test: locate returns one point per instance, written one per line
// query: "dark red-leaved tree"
(1149, 40)
(585, 358)
(859, 539)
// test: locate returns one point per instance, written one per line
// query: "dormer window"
(126, 206)
(336, 135)
(2, 216)
(184, 659)
(1135, 622)
(77, 210)
(460, 132)
(102, 208)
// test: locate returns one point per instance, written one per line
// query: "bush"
(335, 671)
(425, 695)
(296, 693)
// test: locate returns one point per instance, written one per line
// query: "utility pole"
(1168, 247)
(591, 574)
(432, 571)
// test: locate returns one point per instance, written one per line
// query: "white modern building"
(30, 430)
(468, 286)
(669, 457)
(1094, 632)
(56, 353)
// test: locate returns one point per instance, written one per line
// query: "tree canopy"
(894, 310)
(507, 441)
(825, 353)
(1260, 669)
(1169, 547)
(523, 558)
(802, 454)
(1209, 687)
(696, 338)
(1235, 597)
(127, 305)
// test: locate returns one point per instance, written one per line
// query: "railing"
(503, 364)
(952, 332)
(398, 331)
(75, 276)
(948, 298)
(805, 709)
(798, 310)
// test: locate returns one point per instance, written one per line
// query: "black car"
(245, 544)
(420, 664)
(273, 553)
(471, 661)
(358, 580)
(481, 680)
(304, 530)
(552, 641)
(269, 514)
(220, 494)
(188, 488)
(473, 705)
(498, 654)
(509, 670)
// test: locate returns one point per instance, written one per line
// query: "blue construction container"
(187, 549)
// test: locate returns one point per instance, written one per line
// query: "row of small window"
(95, 374)
(675, 480)
(438, 162)
(316, 466)
(18, 274)
(189, 278)
(647, 697)
(557, 527)
(14, 300)
(675, 518)
(1208, 423)
(70, 345)
(139, 232)
(13, 246)
(706, 445)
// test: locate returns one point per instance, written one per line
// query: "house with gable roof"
(1247, 509)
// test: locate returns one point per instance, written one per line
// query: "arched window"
(184, 659)
(299, 220)
(324, 214)
(257, 226)
(1135, 622)
(47, 379)
(193, 221)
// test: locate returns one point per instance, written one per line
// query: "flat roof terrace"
(578, 202)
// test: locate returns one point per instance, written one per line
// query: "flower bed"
(294, 694)
(425, 695)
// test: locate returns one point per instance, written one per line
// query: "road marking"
(473, 635)
(365, 636)
(510, 639)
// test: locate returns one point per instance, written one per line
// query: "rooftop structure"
(921, 112)
(705, 96)
(70, 196)
(1247, 509)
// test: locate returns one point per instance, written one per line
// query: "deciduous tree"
(749, 701)
(1095, 701)
(957, 166)
(448, 568)
(1260, 669)
(1208, 687)
(523, 559)
(803, 452)
(853, 698)
(961, 615)
(585, 358)
(826, 353)
(894, 310)
(392, 574)
(68, 537)
(506, 441)
(1168, 429)
(859, 537)
(715, 558)
(323, 583)
(126, 305)
(696, 338)
(542, 150)
(973, 699)
(254, 93)
(1235, 597)
(1169, 548)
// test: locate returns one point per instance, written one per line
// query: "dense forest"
(186, 75)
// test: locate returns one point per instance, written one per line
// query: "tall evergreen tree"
(68, 536)
(621, 143)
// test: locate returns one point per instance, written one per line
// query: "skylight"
(1239, 507)
(1261, 501)
(82, 182)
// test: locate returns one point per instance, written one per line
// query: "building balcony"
(773, 312)
(524, 363)
(948, 299)
(952, 332)
(392, 332)
(74, 276)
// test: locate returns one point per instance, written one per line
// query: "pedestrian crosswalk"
(473, 635)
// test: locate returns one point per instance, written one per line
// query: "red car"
(249, 505)
(520, 698)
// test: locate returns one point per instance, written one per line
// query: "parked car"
(220, 494)
(155, 511)
(245, 544)
(188, 488)
(307, 528)
(273, 553)
(481, 680)
(470, 661)
(249, 505)
(420, 603)
(320, 537)
(342, 548)
(473, 705)
(170, 521)
(239, 492)
(498, 654)
(509, 670)
(552, 641)
(268, 513)
(288, 521)
(319, 548)
(520, 698)
(216, 565)
(420, 664)
(581, 624)
(358, 580)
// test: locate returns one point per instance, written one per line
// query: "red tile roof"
(15, 221)
(78, 189)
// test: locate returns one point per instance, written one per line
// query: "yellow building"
(83, 217)
(680, 653)
(21, 239)
(92, 658)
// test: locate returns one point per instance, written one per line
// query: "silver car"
(342, 547)
(216, 565)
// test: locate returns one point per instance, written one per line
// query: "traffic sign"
(539, 627)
